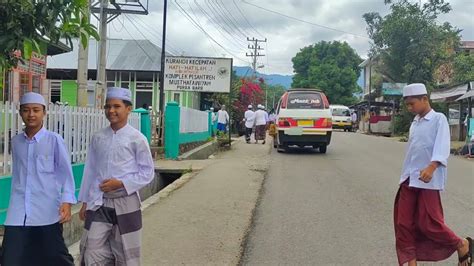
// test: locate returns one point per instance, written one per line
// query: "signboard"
(202, 74)
(394, 89)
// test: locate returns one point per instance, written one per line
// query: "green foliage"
(409, 40)
(272, 94)
(463, 68)
(24, 24)
(332, 67)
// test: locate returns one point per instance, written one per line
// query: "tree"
(332, 67)
(463, 68)
(410, 42)
(24, 24)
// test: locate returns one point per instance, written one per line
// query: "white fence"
(75, 124)
(193, 121)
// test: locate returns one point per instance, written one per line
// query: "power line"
(125, 28)
(156, 34)
(231, 18)
(304, 21)
(194, 13)
(183, 11)
(248, 22)
(222, 18)
(219, 27)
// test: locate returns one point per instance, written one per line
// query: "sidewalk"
(205, 221)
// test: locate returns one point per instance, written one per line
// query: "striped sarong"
(112, 233)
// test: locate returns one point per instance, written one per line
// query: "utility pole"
(102, 60)
(82, 69)
(106, 13)
(254, 52)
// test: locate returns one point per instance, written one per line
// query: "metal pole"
(230, 99)
(370, 89)
(101, 77)
(163, 55)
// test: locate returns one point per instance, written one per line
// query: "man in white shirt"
(420, 231)
(42, 191)
(261, 118)
(222, 120)
(118, 165)
(354, 121)
(249, 119)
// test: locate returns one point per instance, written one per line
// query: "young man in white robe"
(118, 165)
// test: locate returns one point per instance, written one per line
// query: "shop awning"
(468, 94)
(449, 94)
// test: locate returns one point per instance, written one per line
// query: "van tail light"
(323, 123)
(287, 122)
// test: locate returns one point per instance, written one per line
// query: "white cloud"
(285, 36)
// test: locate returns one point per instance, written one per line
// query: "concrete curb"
(161, 195)
(202, 152)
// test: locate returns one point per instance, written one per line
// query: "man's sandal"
(468, 257)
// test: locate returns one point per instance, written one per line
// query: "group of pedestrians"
(260, 120)
(119, 163)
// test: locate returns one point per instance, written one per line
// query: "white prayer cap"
(259, 106)
(119, 93)
(212, 108)
(414, 89)
(32, 97)
(250, 106)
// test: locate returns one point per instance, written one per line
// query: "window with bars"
(24, 83)
(36, 83)
(55, 91)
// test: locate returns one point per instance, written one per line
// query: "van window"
(305, 100)
(341, 112)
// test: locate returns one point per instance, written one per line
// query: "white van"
(303, 119)
(341, 117)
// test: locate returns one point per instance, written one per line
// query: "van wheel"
(323, 149)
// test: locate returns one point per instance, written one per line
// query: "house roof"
(467, 44)
(122, 55)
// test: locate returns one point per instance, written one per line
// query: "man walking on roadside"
(249, 119)
(42, 192)
(222, 120)
(118, 165)
(420, 230)
(260, 124)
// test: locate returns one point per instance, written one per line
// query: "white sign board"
(203, 74)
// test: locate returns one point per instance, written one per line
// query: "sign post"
(198, 74)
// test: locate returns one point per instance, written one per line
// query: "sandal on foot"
(468, 257)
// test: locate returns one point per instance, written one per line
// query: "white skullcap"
(119, 93)
(259, 106)
(250, 106)
(212, 108)
(32, 97)
(414, 89)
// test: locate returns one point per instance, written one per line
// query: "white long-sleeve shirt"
(42, 179)
(124, 155)
(260, 117)
(429, 141)
(222, 117)
(249, 118)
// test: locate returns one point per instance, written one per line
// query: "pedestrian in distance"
(420, 231)
(118, 165)
(42, 192)
(260, 124)
(249, 119)
(222, 120)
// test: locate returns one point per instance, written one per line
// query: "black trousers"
(35, 246)
(248, 133)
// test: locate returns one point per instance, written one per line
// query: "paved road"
(336, 209)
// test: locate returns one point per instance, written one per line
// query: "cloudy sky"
(227, 24)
